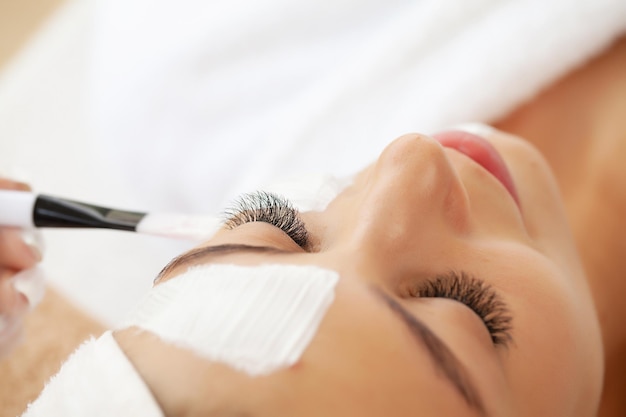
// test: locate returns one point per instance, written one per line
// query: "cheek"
(540, 199)
(556, 359)
(362, 363)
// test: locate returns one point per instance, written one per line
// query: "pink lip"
(483, 153)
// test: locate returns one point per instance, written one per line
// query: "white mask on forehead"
(254, 319)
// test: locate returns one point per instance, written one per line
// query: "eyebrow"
(443, 358)
(205, 253)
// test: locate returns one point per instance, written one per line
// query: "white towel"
(196, 101)
(97, 380)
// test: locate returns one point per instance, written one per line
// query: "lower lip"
(483, 153)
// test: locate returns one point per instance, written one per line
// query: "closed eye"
(262, 206)
(476, 294)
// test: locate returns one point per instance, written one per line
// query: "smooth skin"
(578, 124)
(419, 211)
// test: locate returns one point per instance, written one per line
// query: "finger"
(20, 249)
(8, 184)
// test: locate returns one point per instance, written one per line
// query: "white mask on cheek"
(254, 319)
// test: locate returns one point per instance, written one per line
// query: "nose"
(411, 197)
(414, 184)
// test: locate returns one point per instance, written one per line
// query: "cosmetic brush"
(26, 210)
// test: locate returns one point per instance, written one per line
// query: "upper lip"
(483, 153)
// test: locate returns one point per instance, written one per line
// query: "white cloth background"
(181, 105)
(198, 100)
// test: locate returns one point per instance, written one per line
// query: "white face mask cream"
(310, 192)
(254, 319)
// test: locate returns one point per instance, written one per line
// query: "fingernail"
(478, 129)
(34, 241)
(22, 186)
(31, 284)
(11, 184)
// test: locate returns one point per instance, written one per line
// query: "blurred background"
(19, 19)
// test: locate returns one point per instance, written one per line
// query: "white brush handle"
(16, 208)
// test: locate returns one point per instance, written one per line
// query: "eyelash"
(475, 294)
(262, 206)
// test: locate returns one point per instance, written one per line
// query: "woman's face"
(458, 296)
